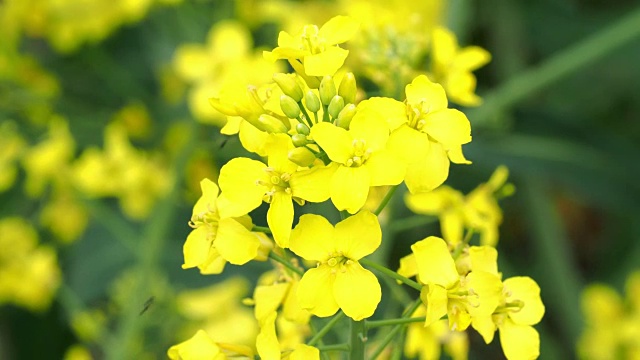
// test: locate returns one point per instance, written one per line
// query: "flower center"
(310, 39)
(416, 114)
(360, 153)
(206, 218)
(277, 182)
(338, 262)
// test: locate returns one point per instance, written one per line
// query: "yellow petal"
(305, 352)
(435, 299)
(359, 235)
(238, 183)
(372, 128)
(268, 298)
(357, 291)
(471, 58)
(519, 342)
(232, 126)
(315, 291)
(207, 201)
(312, 238)
(408, 144)
(214, 264)
(313, 184)
(267, 342)
(393, 111)
(385, 169)
(426, 174)
(200, 346)
(485, 326)
(449, 127)
(433, 202)
(280, 217)
(335, 141)
(278, 147)
(235, 243)
(435, 264)
(196, 248)
(350, 188)
(338, 29)
(489, 289)
(525, 289)
(408, 266)
(456, 156)
(252, 139)
(422, 90)
(445, 46)
(325, 63)
(452, 226)
(484, 258)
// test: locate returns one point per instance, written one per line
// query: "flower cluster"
(320, 139)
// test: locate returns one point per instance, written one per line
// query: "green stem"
(283, 261)
(325, 113)
(306, 114)
(465, 242)
(377, 323)
(411, 222)
(386, 199)
(322, 332)
(396, 329)
(567, 62)
(263, 229)
(335, 347)
(391, 273)
(358, 339)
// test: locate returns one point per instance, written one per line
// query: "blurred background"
(106, 132)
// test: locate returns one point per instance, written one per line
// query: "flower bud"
(289, 86)
(327, 90)
(345, 116)
(302, 129)
(335, 106)
(348, 88)
(312, 101)
(271, 125)
(299, 140)
(301, 156)
(289, 107)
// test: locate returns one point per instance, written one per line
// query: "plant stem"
(334, 347)
(391, 273)
(322, 332)
(411, 222)
(460, 247)
(377, 323)
(263, 229)
(386, 199)
(358, 338)
(396, 329)
(283, 261)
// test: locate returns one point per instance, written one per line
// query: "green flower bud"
(327, 90)
(348, 88)
(335, 106)
(302, 129)
(301, 156)
(299, 140)
(312, 101)
(289, 85)
(345, 116)
(289, 107)
(271, 125)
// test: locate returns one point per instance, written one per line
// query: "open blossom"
(426, 135)
(339, 281)
(315, 51)
(215, 240)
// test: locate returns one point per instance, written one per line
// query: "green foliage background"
(562, 111)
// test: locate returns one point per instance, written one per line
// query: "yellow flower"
(11, 145)
(426, 135)
(245, 183)
(339, 281)
(199, 347)
(461, 297)
(452, 66)
(315, 52)
(215, 240)
(360, 157)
